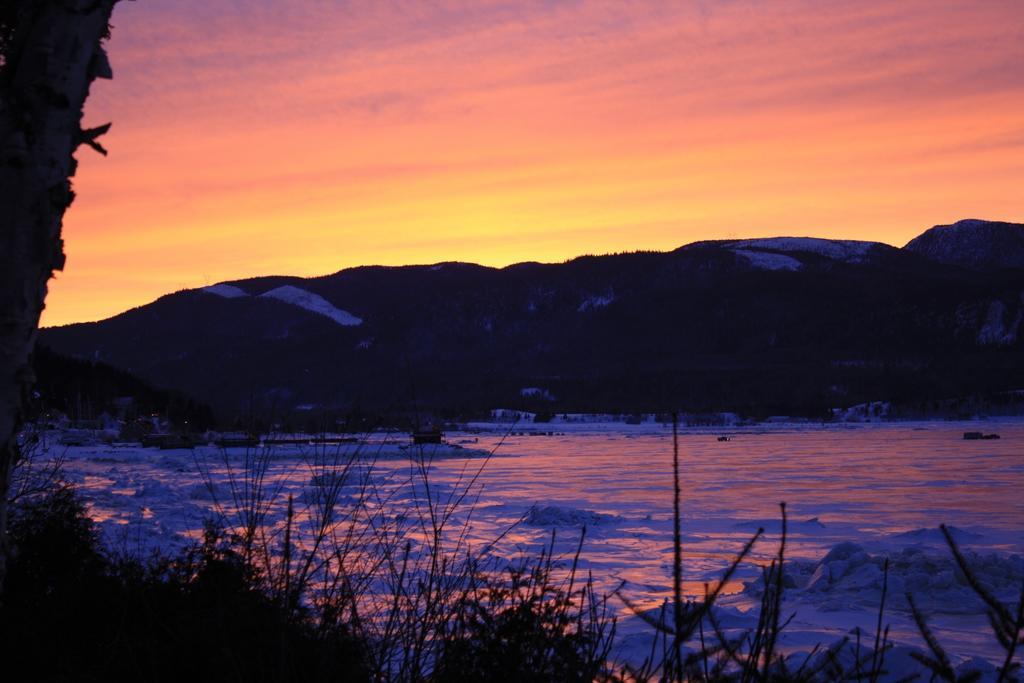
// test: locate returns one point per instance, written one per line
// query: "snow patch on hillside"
(536, 392)
(863, 412)
(848, 251)
(226, 291)
(766, 260)
(313, 303)
(595, 302)
(995, 331)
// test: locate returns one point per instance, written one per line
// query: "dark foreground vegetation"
(332, 595)
(72, 612)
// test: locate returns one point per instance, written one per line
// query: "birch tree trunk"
(52, 53)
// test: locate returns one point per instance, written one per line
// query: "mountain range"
(786, 325)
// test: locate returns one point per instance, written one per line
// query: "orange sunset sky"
(264, 137)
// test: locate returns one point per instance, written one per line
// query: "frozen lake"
(885, 487)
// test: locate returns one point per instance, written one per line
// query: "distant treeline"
(84, 391)
(970, 380)
(973, 383)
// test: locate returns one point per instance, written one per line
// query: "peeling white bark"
(42, 93)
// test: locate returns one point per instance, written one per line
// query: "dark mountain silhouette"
(973, 243)
(767, 326)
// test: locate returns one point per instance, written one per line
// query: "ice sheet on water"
(728, 617)
(849, 577)
(899, 662)
(934, 535)
(153, 488)
(205, 491)
(774, 526)
(558, 516)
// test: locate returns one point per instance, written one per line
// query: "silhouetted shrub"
(524, 625)
(70, 613)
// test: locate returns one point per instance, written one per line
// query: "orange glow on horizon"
(303, 140)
